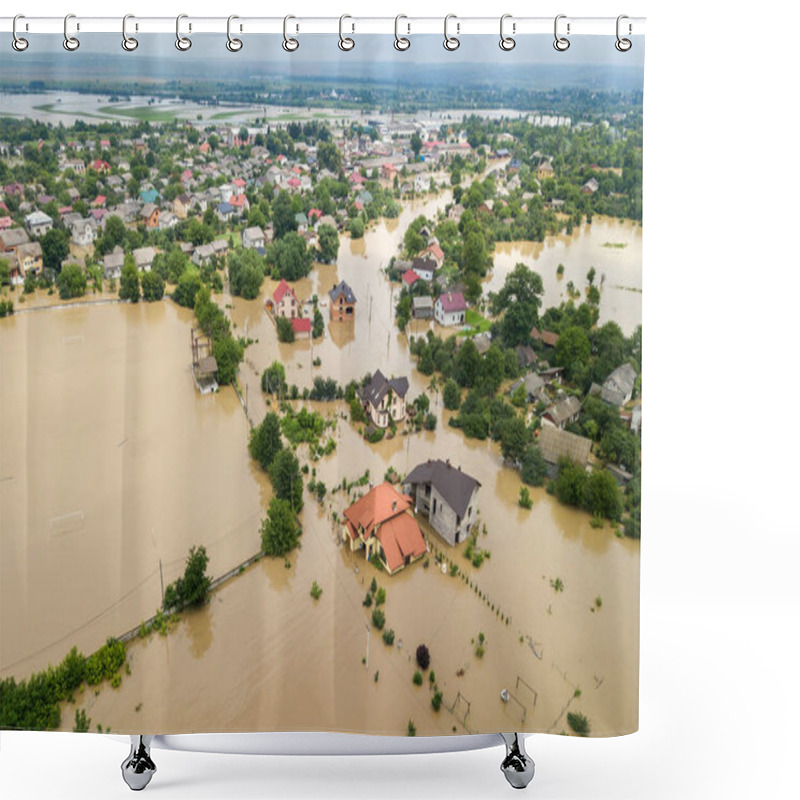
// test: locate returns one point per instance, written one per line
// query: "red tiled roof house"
(383, 524)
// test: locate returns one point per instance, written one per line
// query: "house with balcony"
(446, 496)
(384, 399)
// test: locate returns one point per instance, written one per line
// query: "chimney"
(394, 505)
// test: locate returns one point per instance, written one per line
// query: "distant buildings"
(38, 223)
(382, 524)
(384, 399)
(446, 496)
(253, 238)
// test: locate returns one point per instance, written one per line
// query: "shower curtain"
(321, 385)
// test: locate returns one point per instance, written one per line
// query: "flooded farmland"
(111, 461)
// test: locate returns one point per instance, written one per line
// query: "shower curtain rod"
(406, 25)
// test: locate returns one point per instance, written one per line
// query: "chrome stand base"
(517, 766)
(138, 768)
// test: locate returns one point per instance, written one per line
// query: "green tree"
(129, 281)
(71, 282)
(289, 257)
(329, 157)
(152, 286)
(573, 351)
(285, 330)
(416, 143)
(603, 495)
(534, 467)
(451, 395)
(273, 381)
(514, 439)
(55, 248)
(193, 587)
(228, 353)
(188, 286)
(319, 324)
(356, 228)
(283, 220)
(246, 272)
(520, 299)
(279, 531)
(286, 479)
(473, 254)
(467, 364)
(328, 242)
(491, 370)
(265, 440)
(5, 272)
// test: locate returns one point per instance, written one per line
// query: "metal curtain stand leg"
(138, 768)
(517, 766)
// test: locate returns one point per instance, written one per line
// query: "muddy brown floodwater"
(110, 461)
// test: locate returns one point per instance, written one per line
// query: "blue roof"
(149, 196)
(225, 208)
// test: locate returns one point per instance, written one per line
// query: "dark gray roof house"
(343, 289)
(446, 496)
(617, 389)
(384, 399)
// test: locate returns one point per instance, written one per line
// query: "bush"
(417, 679)
(436, 700)
(423, 657)
(285, 330)
(82, 722)
(378, 618)
(279, 531)
(316, 592)
(412, 728)
(105, 662)
(388, 636)
(192, 589)
(525, 498)
(152, 286)
(367, 600)
(380, 596)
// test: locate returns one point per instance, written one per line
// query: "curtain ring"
(345, 42)
(507, 42)
(401, 43)
(289, 44)
(623, 45)
(129, 43)
(19, 43)
(183, 43)
(233, 44)
(561, 43)
(71, 43)
(451, 43)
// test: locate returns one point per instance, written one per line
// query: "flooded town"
(319, 416)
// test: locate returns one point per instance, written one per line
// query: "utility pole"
(161, 573)
(366, 663)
